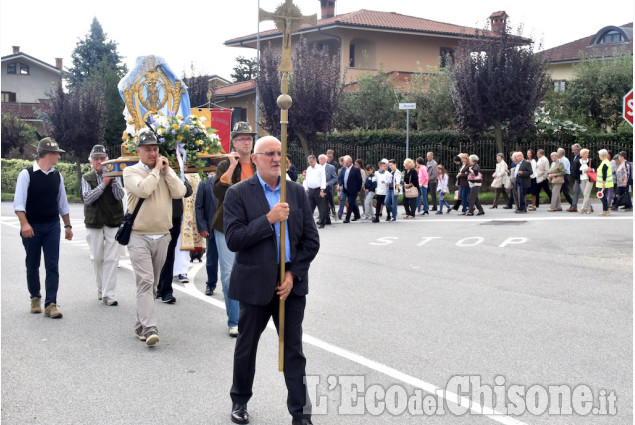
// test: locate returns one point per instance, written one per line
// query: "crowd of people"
(520, 184)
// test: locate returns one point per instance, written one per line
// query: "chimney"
(328, 8)
(16, 50)
(498, 21)
(58, 63)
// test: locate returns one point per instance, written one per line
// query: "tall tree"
(499, 82)
(76, 120)
(198, 87)
(315, 87)
(432, 92)
(18, 138)
(245, 70)
(96, 57)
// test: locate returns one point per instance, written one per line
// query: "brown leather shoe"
(572, 210)
(36, 305)
(52, 311)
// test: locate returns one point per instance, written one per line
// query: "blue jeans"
(464, 192)
(442, 201)
(226, 261)
(391, 203)
(212, 262)
(46, 237)
(342, 204)
(423, 194)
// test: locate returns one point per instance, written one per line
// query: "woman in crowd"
(423, 186)
(500, 177)
(362, 193)
(475, 179)
(442, 189)
(383, 179)
(614, 166)
(533, 189)
(556, 177)
(410, 179)
(462, 183)
(604, 180)
(457, 199)
(585, 183)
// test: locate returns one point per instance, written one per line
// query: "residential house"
(370, 40)
(607, 42)
(25, 82)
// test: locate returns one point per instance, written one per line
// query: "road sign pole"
(407, 130)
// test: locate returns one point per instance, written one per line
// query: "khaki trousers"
(104, 253)
(147, 256)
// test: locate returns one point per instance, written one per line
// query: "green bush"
(12, 167)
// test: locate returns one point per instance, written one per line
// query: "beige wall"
(247, 101)
(29, 88)
(561, 71)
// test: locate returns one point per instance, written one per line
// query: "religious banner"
(190, 238)
(222, 121)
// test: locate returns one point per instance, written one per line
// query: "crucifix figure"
(288, 19)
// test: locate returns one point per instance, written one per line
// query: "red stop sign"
(627, 106)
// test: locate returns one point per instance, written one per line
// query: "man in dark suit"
(523, 173)
(331, 182)
(352, 184)
(253, 213)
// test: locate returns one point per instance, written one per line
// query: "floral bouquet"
(184, 138)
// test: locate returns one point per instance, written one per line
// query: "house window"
(8, 96)
(11, 68)
(611, 37)
(239, 114)
(559, 85)
(447, 56)
(351, 55)
(24, 69)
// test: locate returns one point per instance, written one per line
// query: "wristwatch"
(68, 226)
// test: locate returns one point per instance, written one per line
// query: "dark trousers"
(46, 238)
(622, 198)
(565, 189)
(352, 207)
(543, 185)
(212, 261)
(519, 195)
(252, 321)
(410, 205)
(432, 191)
(380, 201)
(473, 200)
(322, 205)
(329, 199)
(164, 289)
(501, 191)
(512, 198)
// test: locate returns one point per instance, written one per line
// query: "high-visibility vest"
(609, 175)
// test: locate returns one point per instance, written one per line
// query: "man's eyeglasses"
(244, 139)
(269, 154)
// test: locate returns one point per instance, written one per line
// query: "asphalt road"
(401, 308)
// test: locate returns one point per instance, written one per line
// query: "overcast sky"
(47, 29)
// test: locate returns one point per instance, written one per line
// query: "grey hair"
(501, 155)
(603, 153)
(473, 158)
(310, 157)
(560, 151)
(322, 156)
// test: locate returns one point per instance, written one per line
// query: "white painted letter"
(512, 241)
(478, 240)
(426, 239)
(383, 241)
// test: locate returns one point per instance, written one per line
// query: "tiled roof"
(379, 20)
(237, 89)
(574, 50)
(25, 111)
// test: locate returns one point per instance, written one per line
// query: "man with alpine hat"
(152, 181)
(236, 168)
(40, 198)
(103, 213)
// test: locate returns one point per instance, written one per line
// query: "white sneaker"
(233, 331)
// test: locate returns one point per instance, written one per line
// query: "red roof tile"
(380, 20)
(25, 111)
(236, 89)
(574, 50)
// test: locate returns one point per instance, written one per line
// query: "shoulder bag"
(412, 191)
(125, 228)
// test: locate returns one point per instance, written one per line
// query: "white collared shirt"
(22, 189)
(315, 177)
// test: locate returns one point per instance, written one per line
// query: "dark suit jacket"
(340, 177)
(354, 183)
(575, 168)
(220, 188)
(525, 177)
(249, 234)
(205, 206)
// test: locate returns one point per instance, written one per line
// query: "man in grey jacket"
(433, 179)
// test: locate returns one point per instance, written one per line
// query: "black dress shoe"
(168, 300)
(481, 213)
(355, 219)
(425, 212)
(209, 291)
(507, 207)
(301, 422)
(239, 414)
(346, 221)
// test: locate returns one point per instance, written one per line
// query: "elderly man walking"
(154, 183)
(103, 213)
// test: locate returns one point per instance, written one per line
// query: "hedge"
(12, 167)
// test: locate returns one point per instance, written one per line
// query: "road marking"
(190, 289)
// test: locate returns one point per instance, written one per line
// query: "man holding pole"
(252, 218)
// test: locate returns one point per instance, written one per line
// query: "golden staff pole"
(284, 102)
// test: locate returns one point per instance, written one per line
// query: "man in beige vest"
(152, 180)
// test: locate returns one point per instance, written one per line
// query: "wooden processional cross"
(288, 19)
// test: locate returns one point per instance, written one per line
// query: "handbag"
(125, 228)
(558, 180)
(593, 176)
(412, 192)
(497, 183)
(473, 178)
(507, 182)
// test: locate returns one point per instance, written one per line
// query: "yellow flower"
(175, 126)
(179, 138)
(199, 143)
(160, 131)
(179, 117)
(187, 127)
